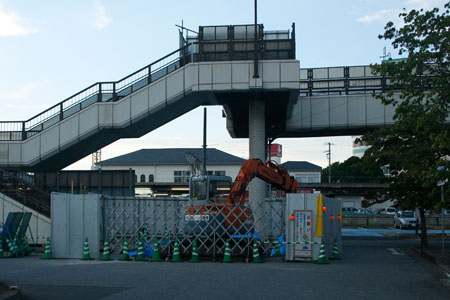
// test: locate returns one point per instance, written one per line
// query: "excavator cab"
(211, 189)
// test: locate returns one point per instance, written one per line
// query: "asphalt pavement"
(372, 267)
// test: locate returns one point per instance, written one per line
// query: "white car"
(405, 219)
(390, 210)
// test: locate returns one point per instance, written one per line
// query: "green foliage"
(353, 170)
(419, 141)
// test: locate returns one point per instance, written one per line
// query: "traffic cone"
(227, 256)
(12, 248)
(86, 252)
(26, 247)
(176, 252)
(48, 250)
(125, 255)
(140, 253)
(277, 250)
(322, 259)
(106, 252)
(195, 257)
(256, 257)
(156, 256)
(335, 253)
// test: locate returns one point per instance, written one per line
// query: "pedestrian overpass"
(274, 98)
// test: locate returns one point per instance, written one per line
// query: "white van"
(390, 210)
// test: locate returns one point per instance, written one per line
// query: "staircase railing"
(98, 92)
(24, 191)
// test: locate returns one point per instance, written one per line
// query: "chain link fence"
(167, 219)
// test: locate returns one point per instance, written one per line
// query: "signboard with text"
(303, 233)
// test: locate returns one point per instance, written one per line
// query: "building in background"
(303, 171)
(358, 147)
(166, 172)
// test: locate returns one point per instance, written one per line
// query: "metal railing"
(20, 187)
(342, 81)
(167, 219)
(98, 92)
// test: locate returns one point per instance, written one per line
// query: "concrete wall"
(39, 224)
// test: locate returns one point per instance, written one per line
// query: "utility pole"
(204, 141)
(328, 153)
(255, 45)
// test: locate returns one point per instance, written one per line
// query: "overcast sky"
(50, 50)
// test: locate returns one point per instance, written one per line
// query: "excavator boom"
(270, 173)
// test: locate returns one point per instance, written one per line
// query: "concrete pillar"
(257, 149)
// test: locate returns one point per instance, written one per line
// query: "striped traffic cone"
(26, 247)
(125, 255)
(140, 253)
(156, 257)
(335, 253)
(12, 248)
(176, 252)
(256, 257)
(322, 259)
(277, 250)
(106, 252)
(48, 250)
(1, 249)
(86, 252)
(195, 257)
(227, 256)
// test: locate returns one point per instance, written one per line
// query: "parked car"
(390, 210)
(405, 219)
(365, 211)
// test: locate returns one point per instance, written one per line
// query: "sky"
(51, 49)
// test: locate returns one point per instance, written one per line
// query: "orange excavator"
(218, 206)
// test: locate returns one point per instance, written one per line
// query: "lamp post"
(441, 184)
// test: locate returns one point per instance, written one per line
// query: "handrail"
(21, 130)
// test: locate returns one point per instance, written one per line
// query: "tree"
(353, 170)
(418, 141)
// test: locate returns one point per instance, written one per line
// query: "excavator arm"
(270, 173)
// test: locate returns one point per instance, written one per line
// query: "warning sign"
(303, 233)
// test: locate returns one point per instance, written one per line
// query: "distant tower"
(96, 158)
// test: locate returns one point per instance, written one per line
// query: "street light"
(441, 184)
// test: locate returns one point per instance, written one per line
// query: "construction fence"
(167, 219)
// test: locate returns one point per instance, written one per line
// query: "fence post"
(149, 78)
(24, 136)
(99, 96)
(114, 95)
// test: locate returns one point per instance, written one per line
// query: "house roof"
(301, 166)
(172, 156)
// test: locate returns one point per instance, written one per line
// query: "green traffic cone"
(156, 256)
(125, 255)
(140, 253)
(335, 253)
(176, 252)
(322, 259)
(256, 257)
(12, 248)
(26, 247)
(106, 252)
(277, 250)
(227, 255)
(1, 249)
(86, 252)
(48, 250)
(195, 257)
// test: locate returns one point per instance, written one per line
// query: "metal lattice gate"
(167, 219)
